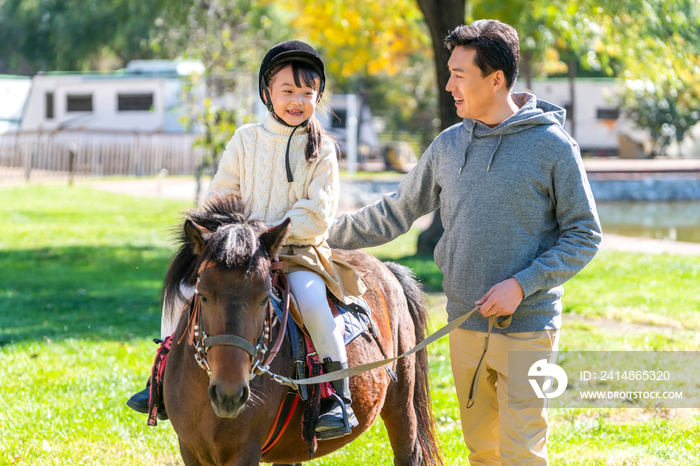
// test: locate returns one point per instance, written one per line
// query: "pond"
(675, 221)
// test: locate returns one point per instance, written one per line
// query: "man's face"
(473, 93)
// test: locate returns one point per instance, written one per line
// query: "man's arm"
(580, 232)
(418, 194)
(579, 240)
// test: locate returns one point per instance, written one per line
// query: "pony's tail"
(421, 393)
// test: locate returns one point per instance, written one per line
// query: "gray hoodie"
(515, 202)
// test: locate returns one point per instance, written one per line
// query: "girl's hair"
(310, 77)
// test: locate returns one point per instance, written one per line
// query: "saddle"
(357, 319)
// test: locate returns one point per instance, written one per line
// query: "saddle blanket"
(356, 316)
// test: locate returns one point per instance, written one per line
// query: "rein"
(281, 276)
(202, 342)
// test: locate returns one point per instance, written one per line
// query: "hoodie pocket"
(445, 251)
(441, 247)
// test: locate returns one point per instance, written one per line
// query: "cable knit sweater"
(253, 167)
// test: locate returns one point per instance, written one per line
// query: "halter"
(201, 342)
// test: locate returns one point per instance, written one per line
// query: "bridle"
(201, 342)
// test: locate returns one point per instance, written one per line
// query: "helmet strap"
(271, 109)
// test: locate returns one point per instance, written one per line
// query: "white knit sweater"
(253, 167)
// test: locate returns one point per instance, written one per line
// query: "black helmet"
(291, 50)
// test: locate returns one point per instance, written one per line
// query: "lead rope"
(355, 370)
(493, 322)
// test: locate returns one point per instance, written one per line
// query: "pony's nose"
(228, 402)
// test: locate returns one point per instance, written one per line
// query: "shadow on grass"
(100, 293)
(81, 292)
(425, 269)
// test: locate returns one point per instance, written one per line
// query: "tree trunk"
(442, 17)
(526, 68)
(429, 238)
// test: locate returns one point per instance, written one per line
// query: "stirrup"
(348, 421)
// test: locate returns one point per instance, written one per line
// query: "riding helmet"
(291, 50)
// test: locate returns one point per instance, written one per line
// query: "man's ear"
(498, 80)
(198, 235)
(274, 237)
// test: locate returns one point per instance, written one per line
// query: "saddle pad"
(356, 317)
(356, 320)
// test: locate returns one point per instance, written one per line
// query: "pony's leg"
(187, 456)
(400, 419)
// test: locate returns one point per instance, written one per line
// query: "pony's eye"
(264, 302)
(204, 299)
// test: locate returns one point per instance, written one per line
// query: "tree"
(365, 38)
(379, 50)
(657, 43)
(49, 35)
(230, 38)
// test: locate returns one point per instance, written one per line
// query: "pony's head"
(230, 255)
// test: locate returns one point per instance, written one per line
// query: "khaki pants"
(501, 427)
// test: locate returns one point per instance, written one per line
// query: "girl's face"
(292, 103)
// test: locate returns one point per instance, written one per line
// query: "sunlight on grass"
(80, 274)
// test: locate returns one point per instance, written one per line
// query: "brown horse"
(224, 418)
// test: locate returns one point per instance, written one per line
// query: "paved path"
(631, 166)
(184, 189)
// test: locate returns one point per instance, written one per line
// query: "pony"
(221, 416)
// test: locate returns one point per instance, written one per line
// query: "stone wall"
(658, 187)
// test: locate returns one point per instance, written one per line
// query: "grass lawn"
(80, 274)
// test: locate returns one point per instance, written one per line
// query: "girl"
(287, 167)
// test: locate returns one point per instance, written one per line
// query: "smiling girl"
(287, 167)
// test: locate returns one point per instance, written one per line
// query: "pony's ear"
(197, 235)
(273, 238)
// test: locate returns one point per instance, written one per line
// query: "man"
(519, 221)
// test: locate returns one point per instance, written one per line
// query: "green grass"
(80, 274)
(648, 289)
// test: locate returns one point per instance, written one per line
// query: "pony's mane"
(234, 242)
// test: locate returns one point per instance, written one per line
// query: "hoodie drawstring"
(488, 167)
(469, 146)
(466, 151)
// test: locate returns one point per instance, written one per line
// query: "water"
(675, 221)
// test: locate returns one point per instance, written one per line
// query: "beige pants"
(501, 427)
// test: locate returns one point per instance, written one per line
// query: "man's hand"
(502, 299)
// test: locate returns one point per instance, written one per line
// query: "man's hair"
(496, 44)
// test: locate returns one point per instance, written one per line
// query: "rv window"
(608, 113)
(135, 102)
(49, 105)
(79, 103)
(338, 120)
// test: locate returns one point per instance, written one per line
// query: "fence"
(27, 155)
